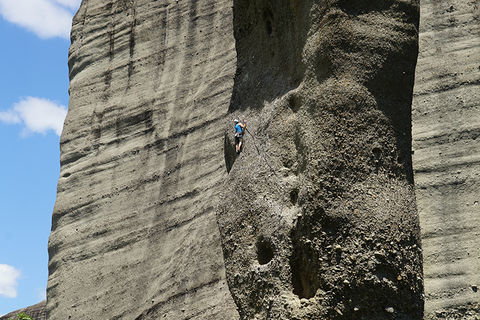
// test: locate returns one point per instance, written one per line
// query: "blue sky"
(33, 100)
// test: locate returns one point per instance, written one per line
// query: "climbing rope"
(260, 153)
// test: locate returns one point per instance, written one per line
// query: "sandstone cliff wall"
(316, 219)
(447, 150)
(134, 230)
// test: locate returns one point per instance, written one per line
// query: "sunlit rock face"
(134, 229)
(446, 127)
(157, 218)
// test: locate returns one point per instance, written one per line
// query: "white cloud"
(46, 18)
(37, 115)
(9, 117)
(8, 281)
(72, 4)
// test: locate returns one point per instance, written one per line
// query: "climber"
(239, 132)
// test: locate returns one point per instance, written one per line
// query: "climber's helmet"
(236, 121)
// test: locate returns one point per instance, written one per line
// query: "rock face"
(37, 312)
(316, 218)
(134, 229)
(446, 131)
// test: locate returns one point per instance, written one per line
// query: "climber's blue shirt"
(238, 128)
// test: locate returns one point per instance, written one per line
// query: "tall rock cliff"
(446, 143)
(134, 229)
(316, 219)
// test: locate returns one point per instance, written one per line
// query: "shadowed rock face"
(446, 142)
(319, 218)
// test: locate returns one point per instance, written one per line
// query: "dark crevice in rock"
(294, 196)
(304, 271)
(301, 152)
(265, 252)
(294, 102)
(229, 152)
(304, 261)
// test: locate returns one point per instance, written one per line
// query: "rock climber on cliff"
(239, 132)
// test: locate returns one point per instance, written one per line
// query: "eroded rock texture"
(318, 219)
(447, 149)
(134, 228)
(317, 216)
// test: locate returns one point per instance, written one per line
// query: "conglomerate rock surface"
(447, 154)
(316, 219)
(318, 216)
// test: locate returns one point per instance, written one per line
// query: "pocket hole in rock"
(264, 251)
(304, 279)
(294, 196)
(294, 102)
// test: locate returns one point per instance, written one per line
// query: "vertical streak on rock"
(134, 233)
(318, 219)
(111, 52)
(446, 132)
(161, 48)
(131, 42)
